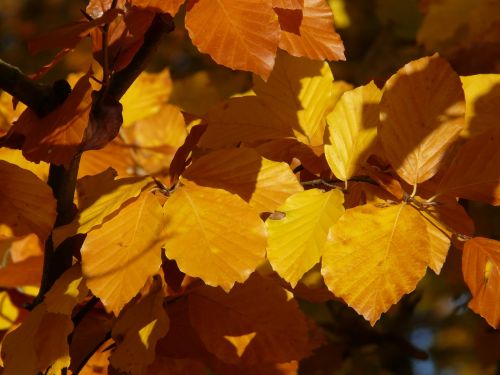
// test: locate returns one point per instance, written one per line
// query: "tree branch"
(40, 98)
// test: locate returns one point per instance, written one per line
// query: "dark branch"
(120, 82)
(38, 97)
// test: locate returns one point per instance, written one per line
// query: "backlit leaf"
(24, 273)
(56, 137)
(136, 333)
(371, 266)
(292, 103)
(482, 98)
(120, 255)
(241, 34)
(481, 269)
(316, 37)
(352, 130)
(66, 292)
(166, 6)
(261, 324)
(146, 96)
(297, 240)
(99, 197)
(288, 4)
(214, 235)
(264, 184)
(26, 203)
(474, 172)
(422, 113)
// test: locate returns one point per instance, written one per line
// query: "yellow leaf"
(158, 137)
(263, 183)
(292, 103)
(26, 203)
(214, 235)
(474, 172)
(136, 333)
(120, 255)
(481, 269)
(299, 93)
(352, 130)
(41, 170)
(422, 114)
(99, 197)
(263, 323)
(296, 241)
(375, 256)
(482, 96)
(8, 312)
(146, 96)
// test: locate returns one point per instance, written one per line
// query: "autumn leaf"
(120, 255)
(40, 341)
(481, 269)
(474, 173)
(146, 96)
(170, 6)
(292, 103)
(315, 37)
(261, 324)
(214, 235)
(136, 333)
(288, 4)
(371, 266)
(56, 137)
(264, 184)
(297, 236)
(21, 196)
(224, 30)
(24, 273)
(481, 98)
(352, 130)
(157, 138)
(99, 197)
(422, 114)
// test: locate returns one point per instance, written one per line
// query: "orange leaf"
(70, 35)
(119, 256)
(115, 154)
(261, 323)
(264, 184)
(26, 203)
(56, 137)
(474, 172)
(214, 235)
(239, 34)
(288, 4)
(23, 273)
(165, 6)
(422, 113)
(371, 266)
(316, 37)
(481, 269)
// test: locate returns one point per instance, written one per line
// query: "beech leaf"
(263, 183)
(422, 114)
(214, 235)
(371, 266)
(120, 255)
(297, 240)
(481, 269)
(224, 30)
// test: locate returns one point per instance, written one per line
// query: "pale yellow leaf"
(352, 130)
(296, 241)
